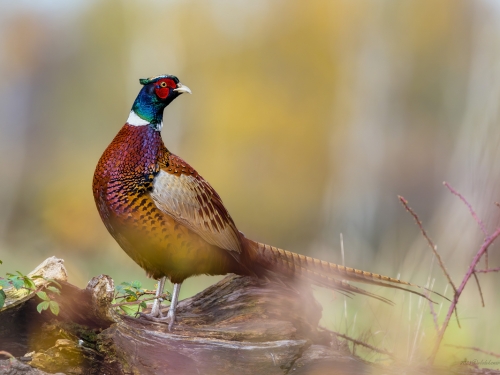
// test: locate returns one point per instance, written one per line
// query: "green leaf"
(5, 283)
(52, 281)
(28, 283)
(43, 296)
(3, 297)
(131, 298)
(125, 283)
(53, 289)
(143, 305)
(54, 307)
(16, 282)
(130, 292)
(136, 284)
(1, 261)
(42, 306)
(128, 310)
(120, 289)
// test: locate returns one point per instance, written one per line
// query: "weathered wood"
(241, 325)
(15, 367)
(18, 317)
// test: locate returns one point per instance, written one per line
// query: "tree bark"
(241, 325)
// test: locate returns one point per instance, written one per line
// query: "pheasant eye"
(163, 84)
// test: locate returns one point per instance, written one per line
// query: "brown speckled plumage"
(122, 186)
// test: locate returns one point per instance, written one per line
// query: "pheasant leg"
(156, 310)
(173, 305)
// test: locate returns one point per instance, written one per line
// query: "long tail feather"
(327, 274)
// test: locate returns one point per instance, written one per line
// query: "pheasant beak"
(182, 89)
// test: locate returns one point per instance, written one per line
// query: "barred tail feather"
(326, 274)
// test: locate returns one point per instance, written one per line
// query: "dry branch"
(478, 221)
(484, 247)
(359, 342)
(429, 241)
(469, 206)
(488, 270)
(471, 271)
(475, 349)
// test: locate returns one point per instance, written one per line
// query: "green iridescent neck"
(148, 107)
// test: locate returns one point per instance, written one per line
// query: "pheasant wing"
(182, 193)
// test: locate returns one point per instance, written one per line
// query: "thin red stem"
(488, 270)
(429, 241)
(475, 349)
(484, 247)
(472, 212)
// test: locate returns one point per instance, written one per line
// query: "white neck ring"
(135, 120)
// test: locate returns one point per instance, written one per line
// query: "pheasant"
(173, 224)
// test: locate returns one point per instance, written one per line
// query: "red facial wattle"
(163, 87)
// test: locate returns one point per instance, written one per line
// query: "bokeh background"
(308, 118)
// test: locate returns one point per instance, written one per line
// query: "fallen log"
(241, 325)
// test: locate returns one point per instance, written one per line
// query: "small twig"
(138, 301)
(479, 287)
(7, 354)
(488, 270)
(475, 349)
(487, 242)
(434, 315)
(358, 342)
(456, 317)
(128, 295)
(429, 241)
(472, 212)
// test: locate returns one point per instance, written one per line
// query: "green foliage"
(43, 296)
(2, 298)
(4, 283)
(133, 295)
(54, 307)
(53, 289)
(44, 305)
(15, 281)
(21, 281)
(48, 304)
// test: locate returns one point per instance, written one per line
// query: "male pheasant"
(173, 224)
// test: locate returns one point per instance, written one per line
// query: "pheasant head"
(157, 93)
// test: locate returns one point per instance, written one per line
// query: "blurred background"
(309, 119)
